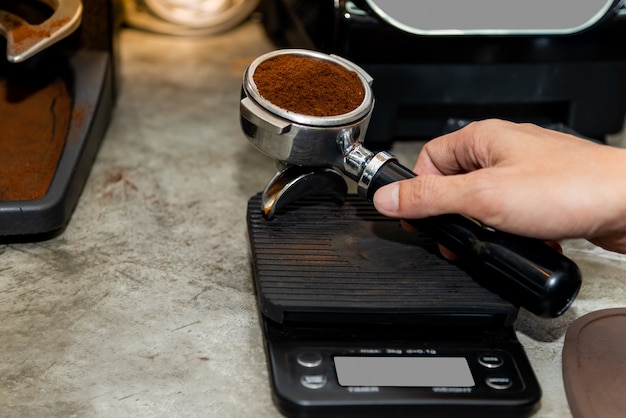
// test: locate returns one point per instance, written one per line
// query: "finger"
(466, 149)
(407, 226)
(447, 254)
(427, 195)
(612, 242)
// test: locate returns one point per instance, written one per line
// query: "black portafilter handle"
(527, 272)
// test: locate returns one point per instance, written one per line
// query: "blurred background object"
(187, 17)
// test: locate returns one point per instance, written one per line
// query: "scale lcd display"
(403, 371)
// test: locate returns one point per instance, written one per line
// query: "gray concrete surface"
(145, 305)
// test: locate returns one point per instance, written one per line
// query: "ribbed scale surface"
(318, 256)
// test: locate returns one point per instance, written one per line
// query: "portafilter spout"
(525, 271)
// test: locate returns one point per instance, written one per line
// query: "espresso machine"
(59, 86)
(440, 65)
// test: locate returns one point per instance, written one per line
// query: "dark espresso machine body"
(349, 317)
(428, 83)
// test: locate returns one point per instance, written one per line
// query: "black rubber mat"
(318, 260)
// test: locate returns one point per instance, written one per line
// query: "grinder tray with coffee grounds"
(361, 318)
(57, 91)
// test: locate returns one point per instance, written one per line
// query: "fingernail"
(387, 199)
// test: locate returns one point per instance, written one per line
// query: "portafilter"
(525, 271)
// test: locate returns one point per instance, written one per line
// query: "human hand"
(519, 178)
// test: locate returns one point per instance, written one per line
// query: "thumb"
(418, 197)
(387, 200)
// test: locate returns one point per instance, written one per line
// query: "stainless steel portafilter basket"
(304, 140)
(313, 152)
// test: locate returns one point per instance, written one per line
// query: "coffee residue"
(309, 86)
(34, 124)
(29, 33)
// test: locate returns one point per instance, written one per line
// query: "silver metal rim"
(360, 112)
(601, 13)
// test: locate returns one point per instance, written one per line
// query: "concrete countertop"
(145, 305)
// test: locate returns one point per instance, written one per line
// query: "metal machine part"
(187, 17)
(525, 271)
(24, 40)
(485, 17)
(293, 182)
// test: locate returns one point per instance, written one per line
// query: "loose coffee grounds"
(26, 33)
(309, 86)
(34, 120)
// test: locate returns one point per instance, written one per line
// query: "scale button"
(499, 382)
(491, 361)
(309, 359)
(313, 381)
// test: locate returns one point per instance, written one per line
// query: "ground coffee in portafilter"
(308, 86)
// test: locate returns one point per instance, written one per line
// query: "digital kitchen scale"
(361, 318)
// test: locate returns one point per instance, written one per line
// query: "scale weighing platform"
(361, 318)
